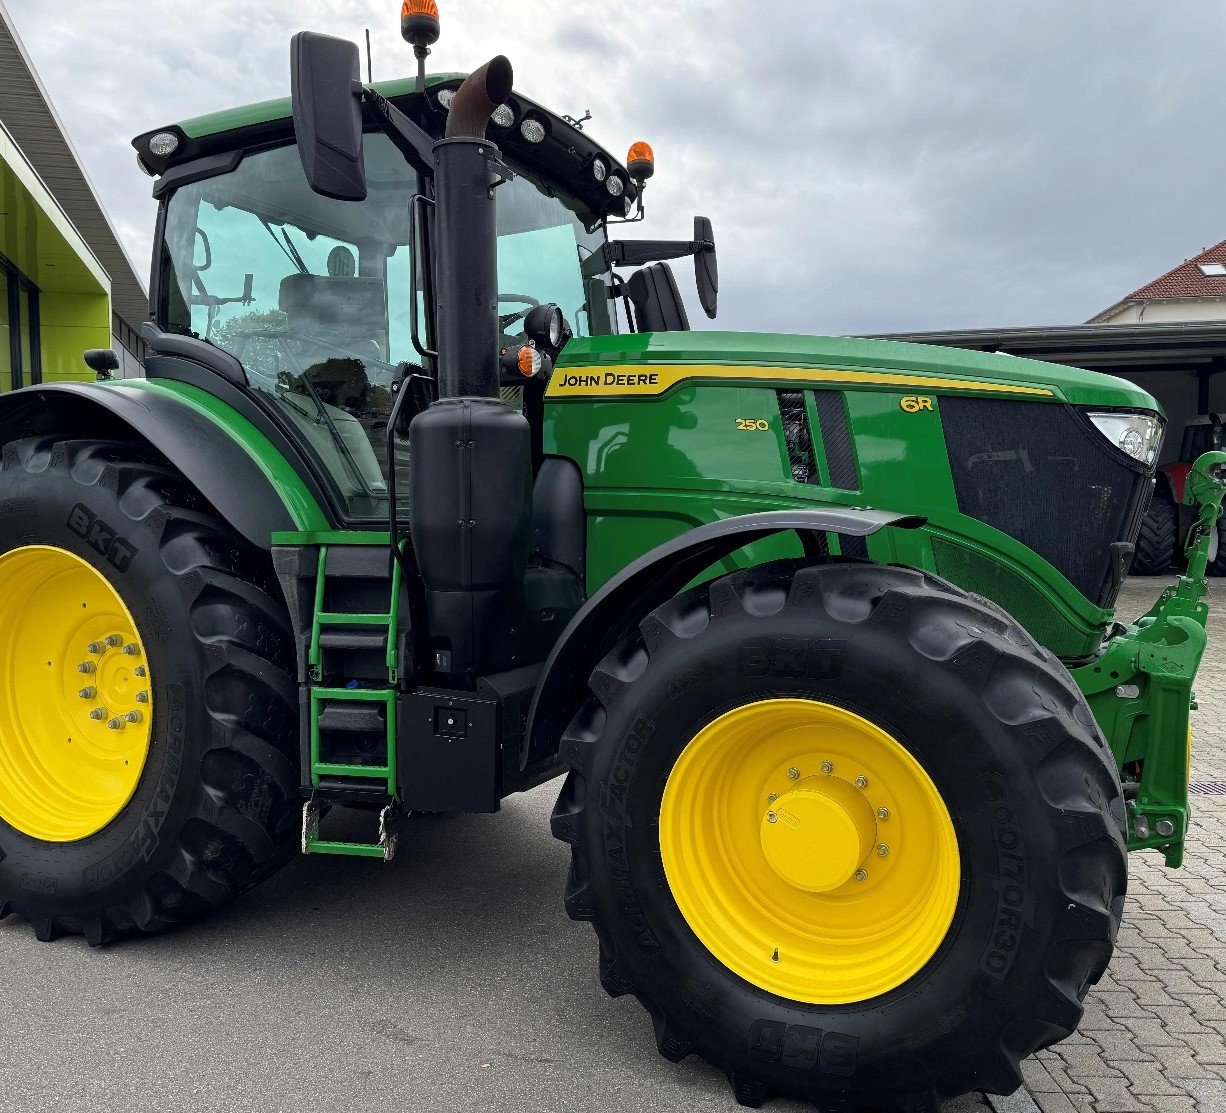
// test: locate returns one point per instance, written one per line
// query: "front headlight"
(1138, 435)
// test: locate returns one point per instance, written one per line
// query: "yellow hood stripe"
(649, 379)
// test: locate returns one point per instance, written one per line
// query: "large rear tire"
(1155, 548)
(206, 724)
(709, 753)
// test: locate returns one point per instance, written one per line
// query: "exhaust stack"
(466, 281)
(471, 455)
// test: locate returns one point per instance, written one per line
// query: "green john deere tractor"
(430, 496)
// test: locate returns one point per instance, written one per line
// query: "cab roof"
(565, 157)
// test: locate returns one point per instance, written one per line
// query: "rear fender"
(657, 576)
(223, 459)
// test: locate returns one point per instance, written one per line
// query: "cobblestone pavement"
(1154, 1035)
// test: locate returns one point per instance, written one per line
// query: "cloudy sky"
(870, 166)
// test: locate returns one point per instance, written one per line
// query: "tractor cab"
(324, 302)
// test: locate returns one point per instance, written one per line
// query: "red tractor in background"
(1159, 544)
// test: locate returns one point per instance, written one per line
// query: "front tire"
(997, 727)
(215, 807)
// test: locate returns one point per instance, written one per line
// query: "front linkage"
(1140, 689)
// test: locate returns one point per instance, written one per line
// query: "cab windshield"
(313, 295)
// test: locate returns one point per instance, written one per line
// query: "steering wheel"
(528, 302)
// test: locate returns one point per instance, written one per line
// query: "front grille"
(1021, 597)
(1042, 474)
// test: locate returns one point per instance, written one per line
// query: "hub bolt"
(88, 693)
(131, 649)
(114, 641)
(115, 724)
(133, 716)
(95, 648)
(793, 773)
(142, 697)
(883, 814)
(827, 766)
(771, 817)
(861, 875)
(86, 667)
(861, 782)
(1165, 828)
(771, 797)
(882, 850)
(141, 670)
(98, 713)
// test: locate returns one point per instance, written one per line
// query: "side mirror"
(326, 83)
(102, 361)
(706, 266)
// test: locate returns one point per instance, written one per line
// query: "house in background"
(1193, 291)
(66, 283)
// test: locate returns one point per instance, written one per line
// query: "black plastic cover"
(470, 460)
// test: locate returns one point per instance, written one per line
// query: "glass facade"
(20, 363)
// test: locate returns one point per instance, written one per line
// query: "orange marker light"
(529, 361)
(641, 161)
(419, 23)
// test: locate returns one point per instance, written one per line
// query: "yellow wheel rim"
(75, 697)
(809, 851)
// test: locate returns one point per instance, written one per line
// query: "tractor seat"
(344, 313)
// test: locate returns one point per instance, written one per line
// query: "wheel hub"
(75, 696)
(816, 835)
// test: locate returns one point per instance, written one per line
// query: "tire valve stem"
(775, 955)
(131, 649)
(114, 641)
(98, 713)
(85, 667)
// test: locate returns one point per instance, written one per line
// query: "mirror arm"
(635, 253)
(409, 139)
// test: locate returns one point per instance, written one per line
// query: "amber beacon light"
(419, 23)
(641, 162)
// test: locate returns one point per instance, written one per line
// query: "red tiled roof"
(1187, 280)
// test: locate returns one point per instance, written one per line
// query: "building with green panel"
(66, 283)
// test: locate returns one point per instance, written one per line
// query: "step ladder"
(351, 722)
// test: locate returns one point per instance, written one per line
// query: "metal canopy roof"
(1115, 349)
(29, 117)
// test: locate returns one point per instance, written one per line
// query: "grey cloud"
(888, 164)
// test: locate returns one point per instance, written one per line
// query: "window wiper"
(290, 253)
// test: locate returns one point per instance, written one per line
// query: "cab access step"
(346, 603)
